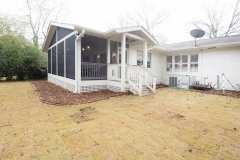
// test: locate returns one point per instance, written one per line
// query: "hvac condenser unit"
(183, 82)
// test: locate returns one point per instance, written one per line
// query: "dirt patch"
(52, 94)
(84, 115)
(235, 94)
(177, 117)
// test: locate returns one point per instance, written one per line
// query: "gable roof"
(202, 44)
(108, 34)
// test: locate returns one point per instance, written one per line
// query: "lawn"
(171, 124)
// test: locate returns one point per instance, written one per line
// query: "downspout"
(78, 37)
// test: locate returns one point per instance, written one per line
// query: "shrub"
(19, 57)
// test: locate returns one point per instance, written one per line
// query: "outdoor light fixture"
(88, 47)
(83, 49)
(114, 55)
(98, 57)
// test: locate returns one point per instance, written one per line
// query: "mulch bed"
(158, 86)
(235, 94)
(52, 94)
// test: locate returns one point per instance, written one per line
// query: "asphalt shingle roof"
(204, 43)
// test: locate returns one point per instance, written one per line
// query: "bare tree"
(40, 13)
(219, 23)
(148, 16)
(12, 25)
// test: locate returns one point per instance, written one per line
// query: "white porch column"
(108, 51)
(79, 50)
(108, 57)
(123, 63)
(145, 53)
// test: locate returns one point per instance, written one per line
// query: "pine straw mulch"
(230, 93)
(52, 94)
(235, 94)
(159, 86)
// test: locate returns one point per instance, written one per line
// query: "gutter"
(78, 37)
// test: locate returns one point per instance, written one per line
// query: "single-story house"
(81, 60)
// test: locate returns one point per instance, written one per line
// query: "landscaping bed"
(52, 94)
(235, 94)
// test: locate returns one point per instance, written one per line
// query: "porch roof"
(137, 30)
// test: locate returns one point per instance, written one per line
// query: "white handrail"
(135, 70)
(135, 79)
(150, 77)
(149, 71)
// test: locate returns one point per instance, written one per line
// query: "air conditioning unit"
(182, 81)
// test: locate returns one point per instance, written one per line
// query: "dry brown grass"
(171, 124)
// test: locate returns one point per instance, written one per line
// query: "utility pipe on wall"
(78, 37)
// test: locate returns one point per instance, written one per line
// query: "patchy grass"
(172, 124)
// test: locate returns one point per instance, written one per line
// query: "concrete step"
(147, 94)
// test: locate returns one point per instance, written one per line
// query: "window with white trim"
(140, 59)
(184, 67)
(194, 63)
(169, 64)
(181, 63)
(177, 64)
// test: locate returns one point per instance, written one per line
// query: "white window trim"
(181, 63)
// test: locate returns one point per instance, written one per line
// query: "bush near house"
(21, 58)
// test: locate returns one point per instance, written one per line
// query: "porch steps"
(145, 91)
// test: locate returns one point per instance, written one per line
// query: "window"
(184, 63)
(194, 63)
(169, 63)
(140, 59)
(177, 64)
(149, 57)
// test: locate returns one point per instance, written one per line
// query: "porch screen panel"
(70, 57)
(53, 39)
(113, 51)
(61, 59)
(54, 60)
(62, 32)
(49, 61)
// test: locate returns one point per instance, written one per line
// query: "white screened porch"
(85, 60)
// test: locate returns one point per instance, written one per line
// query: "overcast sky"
(101, 14)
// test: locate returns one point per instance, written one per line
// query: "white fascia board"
(197, 47)
(138, 28)
(47, 41)
(63, 25)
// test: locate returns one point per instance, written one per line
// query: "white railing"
(135, 78)
(114, 71)
(91, 71)
(150, 77)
